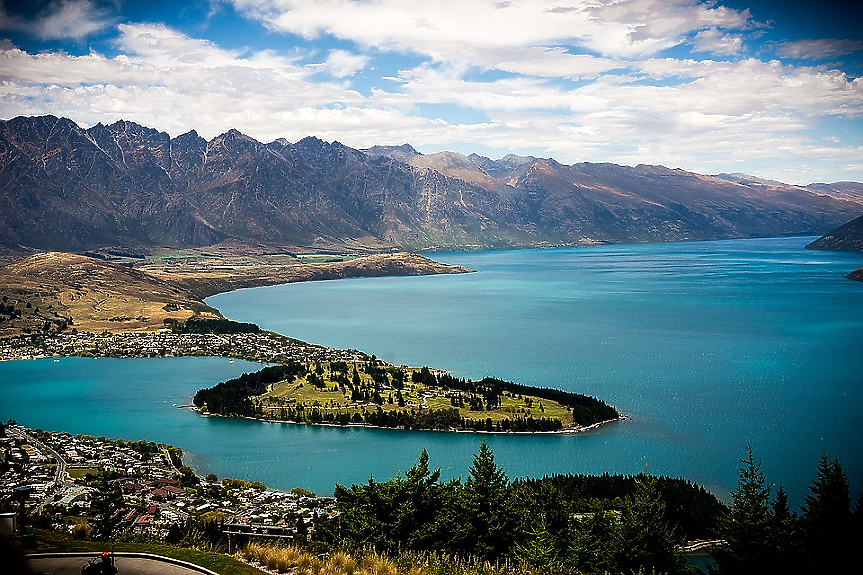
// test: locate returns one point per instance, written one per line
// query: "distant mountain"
(69, 188)
(848, 238)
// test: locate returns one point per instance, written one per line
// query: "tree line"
(232, 397)
(220, 326)
(423, 419)
(586, 410)
(584, 524)
(541, 522)
(600, 524)
(763, 534)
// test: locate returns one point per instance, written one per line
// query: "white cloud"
(166, 80)
(542, 97)
(60, 19)
(719, 43)
(442, 29)
(341, 63)
(539, 61)
(821, 49)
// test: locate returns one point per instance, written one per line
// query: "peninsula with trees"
(374, 393)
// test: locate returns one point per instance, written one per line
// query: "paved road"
(125, 566)
(60, 478)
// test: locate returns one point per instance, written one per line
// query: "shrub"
(81, 531)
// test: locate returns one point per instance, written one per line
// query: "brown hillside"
(52, 291)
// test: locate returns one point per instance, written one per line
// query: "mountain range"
(72, 189)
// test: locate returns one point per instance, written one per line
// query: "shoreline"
(577, 431)
(163, 342)
(261, 348)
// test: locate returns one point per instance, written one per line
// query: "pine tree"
(418, 507)
(302, 528)
(784, 542)
(489, 518)
(645, 542)
(539, 548)
(857, 520)
(592, 548)
(746, 529)
(827, 518)
(107, 498)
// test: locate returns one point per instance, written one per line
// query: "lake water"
(704, 345)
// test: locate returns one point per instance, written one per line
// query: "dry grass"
(299, 562)
(296, 561)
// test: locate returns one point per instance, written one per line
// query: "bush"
(81, 531)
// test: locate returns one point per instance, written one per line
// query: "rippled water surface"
(704, 345)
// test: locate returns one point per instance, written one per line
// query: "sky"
(771, 88)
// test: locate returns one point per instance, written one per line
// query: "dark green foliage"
(425, 377)
(746, 530)
(638, 538)
(486, 509)
(232, 397)
(302, 528)
(535, 521)
(9, 310)
(400, 513)
(145, 448)
(412, 419)
(107, 498)
(827, 518)
(188, 477)
(644, 541)
(226, 326)
(593, 537)
(690, 508)
(545, 516)
(175, 534)
(585, 410)
(203, 531)
(767, 537)
(784, 537)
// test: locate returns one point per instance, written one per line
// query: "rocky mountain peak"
(393, 151)
(126, 184)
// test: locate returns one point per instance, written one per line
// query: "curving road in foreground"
(126, 563)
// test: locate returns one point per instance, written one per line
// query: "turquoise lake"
(704, 345)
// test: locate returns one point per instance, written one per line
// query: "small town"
(262, 346)
(49, 477)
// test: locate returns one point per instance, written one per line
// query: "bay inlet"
(704, 345)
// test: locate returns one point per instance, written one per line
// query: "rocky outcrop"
(848, 238)
(856, 275)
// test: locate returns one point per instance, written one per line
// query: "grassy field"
(79, 472)
(328, 391)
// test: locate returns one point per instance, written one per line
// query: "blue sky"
(767, 87)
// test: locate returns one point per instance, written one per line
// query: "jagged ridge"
(128, 185)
